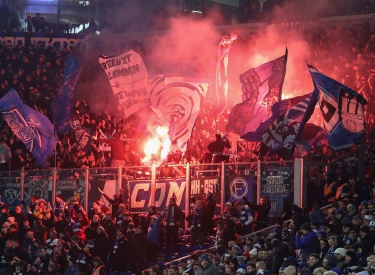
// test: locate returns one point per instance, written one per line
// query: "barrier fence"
(143, 186)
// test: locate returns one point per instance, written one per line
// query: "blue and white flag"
(176, 103)
(261, 89)
(311, 139)
(281, 136)
(31, 127)
(342, 111)
(63, 104)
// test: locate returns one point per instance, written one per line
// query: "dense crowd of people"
(41, 238)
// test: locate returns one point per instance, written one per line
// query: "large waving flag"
(342, 111)
(63, 104)
(312, 138)
(281, 136)
(261, 88)
(226, 43)
(127, 74)
(176, 103)
(278, 109)
(31, 127)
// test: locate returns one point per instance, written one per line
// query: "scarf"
(196, 218)
(170, 215)
(77, 225)
(119, 219)
(115, 247)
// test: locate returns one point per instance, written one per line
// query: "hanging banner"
(277, 184)
(140, 191)
(41, 189)
(10, 192)
(71, 190)
(127, 74)
(240, 186)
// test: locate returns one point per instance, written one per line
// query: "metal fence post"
(87, 184)
(119, 179)
(153, 185)
(22, 184)
(259, 179)
(54, 180)
(298, 182)
(187, 193)
(222, 187)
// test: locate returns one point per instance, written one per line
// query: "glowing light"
(157, 147)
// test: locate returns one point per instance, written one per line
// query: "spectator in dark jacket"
(281, 252)
(101, 244)
(297, 217)
(318, 215)
(307, 240)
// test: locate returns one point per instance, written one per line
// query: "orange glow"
(157, 147)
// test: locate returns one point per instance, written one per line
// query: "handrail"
(272, 226)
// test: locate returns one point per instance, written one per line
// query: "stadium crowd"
(40, 238)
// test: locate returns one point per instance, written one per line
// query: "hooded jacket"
(211, 269)
(281, 252)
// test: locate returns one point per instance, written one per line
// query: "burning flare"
(157, 147)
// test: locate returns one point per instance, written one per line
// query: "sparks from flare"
(157, 147)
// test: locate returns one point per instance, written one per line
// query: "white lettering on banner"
(127, 74)
(141, 203)
(61, 42)
(275, 180)
(175, 191)
(210, 185)
(162, 186)
(195, 187)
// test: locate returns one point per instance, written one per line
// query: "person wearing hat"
(99, 267)
(206, 267)
(357, 220)
(307, 240)
(342, 216)
(229, 211)
(364, 233)
(359, 191)
(317, 214)
(350, 260)
(329, 261)
(101, 244)
(290, 270)
(340, 254)
(198, 223)
(109, 224)
(241, 271)
(118, 255)
(137, 248)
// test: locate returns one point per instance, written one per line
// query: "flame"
(157, 147)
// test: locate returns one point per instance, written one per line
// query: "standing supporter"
(99, 267)
(173, 219)
(138, 246)
(261, 213)
(117, 150)
(198, 218)
(118, 255)
(5, 155)
(307, 240)
(209, 206)
(245, 216)
(101, 244)
(153, 236)
(115, 201)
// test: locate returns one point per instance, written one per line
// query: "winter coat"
(211, 269)
(318, 216)
(308, 244)
(281, 252)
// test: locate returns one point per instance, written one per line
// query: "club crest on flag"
(351, 112)
(25, 129)
(329, 108)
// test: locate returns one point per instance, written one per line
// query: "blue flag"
(261, 89)
(312, 138)
(342, 111)
(63, 104)
(278, 109)
(31, 127)
(281, 136)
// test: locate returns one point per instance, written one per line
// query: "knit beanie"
(290, 270)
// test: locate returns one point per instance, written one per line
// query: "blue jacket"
(308, 244)
(318, 215)
(154, 232)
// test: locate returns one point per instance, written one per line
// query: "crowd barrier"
(143, 186)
